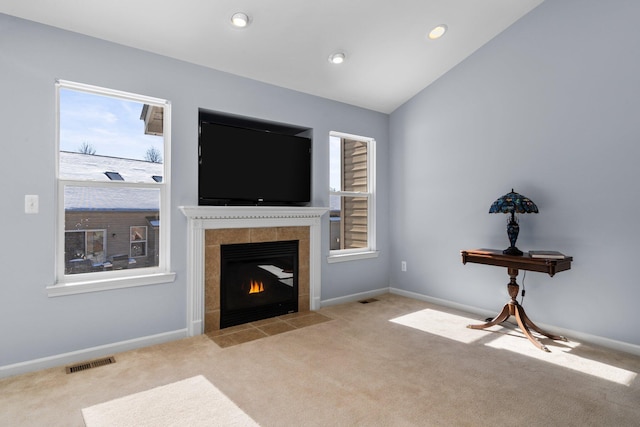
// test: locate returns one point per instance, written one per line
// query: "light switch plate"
(31, 204)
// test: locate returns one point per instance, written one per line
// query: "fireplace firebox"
(258, 281)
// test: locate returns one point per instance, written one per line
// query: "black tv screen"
(240, 166)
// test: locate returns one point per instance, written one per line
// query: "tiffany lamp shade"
(512, 203)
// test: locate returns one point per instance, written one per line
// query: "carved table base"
(512, 308)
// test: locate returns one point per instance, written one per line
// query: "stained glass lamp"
(512, 203)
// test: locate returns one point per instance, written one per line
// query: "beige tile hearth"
(214, 238)
(239, 334)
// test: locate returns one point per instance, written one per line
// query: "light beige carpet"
(193, 402)
(396, 362)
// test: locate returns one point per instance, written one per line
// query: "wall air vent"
(83, 366)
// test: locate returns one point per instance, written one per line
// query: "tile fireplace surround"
(207, 224)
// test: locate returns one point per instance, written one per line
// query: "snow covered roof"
(111, 199)
(91, 167)
(78, 166)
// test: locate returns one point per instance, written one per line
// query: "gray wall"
(551, 108)
(32, 56)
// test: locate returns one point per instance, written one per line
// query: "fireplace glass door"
(258, 281)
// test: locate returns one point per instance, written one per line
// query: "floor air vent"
(367, 301)
(83, 366)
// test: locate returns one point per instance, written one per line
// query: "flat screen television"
(242, 166)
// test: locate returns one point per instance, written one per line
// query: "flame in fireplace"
(256, 287)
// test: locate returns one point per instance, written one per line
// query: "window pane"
(335, 163)
(354, 166)
(74, 247)
(95, 245)
(138, 236)
(138, 249)
(98, 125)
(348, 165)
(112, 228)
(349, 225)
(138, 233)
(84, 249)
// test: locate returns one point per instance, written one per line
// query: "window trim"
(66, 284)
(341, 255)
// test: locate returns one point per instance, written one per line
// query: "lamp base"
(512, 250)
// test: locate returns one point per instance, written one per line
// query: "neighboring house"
(114, 232)
(349, 223)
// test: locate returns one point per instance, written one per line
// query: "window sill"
(352, 256)
(109, 284)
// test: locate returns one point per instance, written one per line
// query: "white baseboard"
(354, 297)
(576, 335)
(104, 350)
(89, 353)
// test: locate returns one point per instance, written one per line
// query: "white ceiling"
(389, 58)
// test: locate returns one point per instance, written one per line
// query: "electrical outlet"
(403, 266)
(31, 204)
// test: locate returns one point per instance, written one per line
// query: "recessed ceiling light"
(240, 19)
(437, 32)
(337, 58)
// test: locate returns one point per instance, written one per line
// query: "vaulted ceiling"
(389, 57)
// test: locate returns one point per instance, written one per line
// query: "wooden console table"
(513, 264)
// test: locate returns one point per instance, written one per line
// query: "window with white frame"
(352, 197)
(138, 242)
(112, 173)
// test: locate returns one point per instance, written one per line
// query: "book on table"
(547, 254)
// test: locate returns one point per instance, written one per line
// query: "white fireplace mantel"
(201, 218)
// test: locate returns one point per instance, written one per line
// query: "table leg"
(512, 308)
(525, 329)
(504, 315)
(520, 312)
